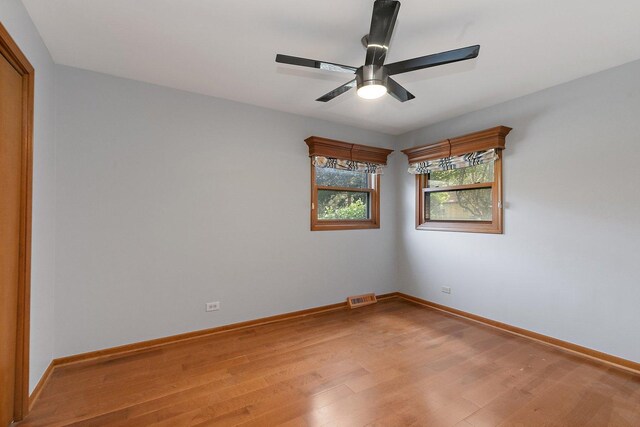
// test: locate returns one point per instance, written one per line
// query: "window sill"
(463, 227)
(343, 225)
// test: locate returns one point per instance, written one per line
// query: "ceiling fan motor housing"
(371, 75)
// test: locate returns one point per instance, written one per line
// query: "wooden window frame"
(494, 226)
(493, 138)
(325, 147)
(340, 224)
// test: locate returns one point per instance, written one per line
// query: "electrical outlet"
(213, 306)
(446, 289)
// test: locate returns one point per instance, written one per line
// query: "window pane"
(463, 205)
(470, 175)
(343, 205)
(340, 178)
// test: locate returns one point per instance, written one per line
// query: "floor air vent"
(361, 300)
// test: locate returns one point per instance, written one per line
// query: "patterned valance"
(348, 165)
(453, 162)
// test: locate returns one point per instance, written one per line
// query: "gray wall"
(167, 200)
(567, 264)
(16, 20)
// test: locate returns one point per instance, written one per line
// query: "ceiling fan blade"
(322, 65)
(397, 91)
(383, 20)
(337, 91)
(434, 60)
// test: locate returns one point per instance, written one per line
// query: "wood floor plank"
(389, 364)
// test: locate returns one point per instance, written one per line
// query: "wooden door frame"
(10, 50)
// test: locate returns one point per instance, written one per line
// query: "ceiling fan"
(373, 78)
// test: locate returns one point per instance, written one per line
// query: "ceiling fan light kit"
(373, 78)
(371, 81)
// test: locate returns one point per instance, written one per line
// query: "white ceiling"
(227, 49)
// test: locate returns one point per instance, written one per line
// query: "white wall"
(16, 20)
(567, 264)
(167, 200)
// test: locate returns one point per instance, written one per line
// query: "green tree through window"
(342, 204)
(471, 204)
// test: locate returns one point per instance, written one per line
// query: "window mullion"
(350, 189)
(459, 187)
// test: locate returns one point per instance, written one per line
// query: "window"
(465, 199)
(458, 189)
(345, 184)
(344, 199)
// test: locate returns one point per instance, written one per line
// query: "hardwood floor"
(390, 364)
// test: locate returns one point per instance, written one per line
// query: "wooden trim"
(599, 356)
(477, 141)
(351, 189)
(135, 348)
(314, 198)
(326, 147)
(433, 151)
(498, 208)
(495, 226)
(319, 146)
(476, 186)
(420, 184)
(35, 394)
(484, 227)
(334, 225)
(138, 347)
(366, 153)
(10, 50)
